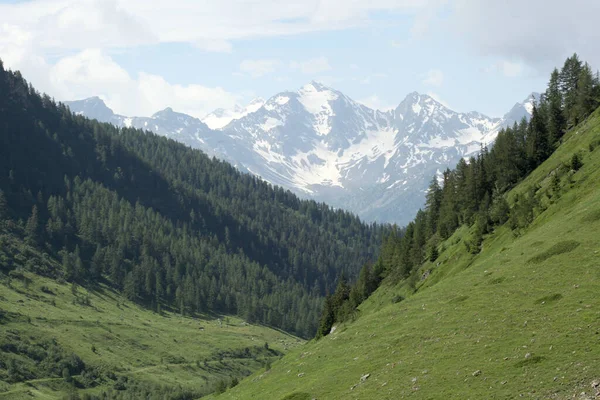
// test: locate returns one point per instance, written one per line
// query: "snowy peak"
(322, 144)
(221, 117)
(521, 110)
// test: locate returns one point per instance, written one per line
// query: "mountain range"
(321, 144)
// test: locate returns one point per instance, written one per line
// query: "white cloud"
(510, 69)
(434, 77)
(376, 103)
(312, 66)
(541, 33)
(258, 68)
(369, 78)
(93, 73)
(210, 25)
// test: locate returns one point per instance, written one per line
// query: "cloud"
(510, 69)
(369, 78)
(312, 66)
(209, 25)
(433, 77)
(540, 33)
(258, 68)
(93, 73)
(376, 103)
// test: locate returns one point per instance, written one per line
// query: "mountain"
(163, 224)
(489, 293)
(221, 117)
(321, 144)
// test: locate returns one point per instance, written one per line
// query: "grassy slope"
(520, 318)
(128, 340)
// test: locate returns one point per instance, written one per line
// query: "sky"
(141, 56)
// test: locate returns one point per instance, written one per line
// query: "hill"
(163, 224)
(510, 313)
(60, 340)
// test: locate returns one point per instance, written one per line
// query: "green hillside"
(59, 339)
(521, 318)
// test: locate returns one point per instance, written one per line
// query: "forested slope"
(165, 224)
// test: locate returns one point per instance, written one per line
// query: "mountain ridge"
(321, 144)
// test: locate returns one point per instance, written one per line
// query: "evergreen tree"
(556, 119)
(3, 206)
(32, 227)
(585, 102)
(96, 267)
(538, 146)
(327, 318)
(432, 205)
(569, 77)
(499, 210)
(68, 266)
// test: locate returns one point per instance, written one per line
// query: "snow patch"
(270, 123)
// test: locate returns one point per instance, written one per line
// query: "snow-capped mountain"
(221, 117)
(322, 144)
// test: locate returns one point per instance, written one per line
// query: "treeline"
(165, 224)
(473, 193)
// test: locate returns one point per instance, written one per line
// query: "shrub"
(576, 162)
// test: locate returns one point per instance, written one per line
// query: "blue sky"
(195, 56)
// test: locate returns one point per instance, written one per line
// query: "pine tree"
(499, 210)
(556, 119)
(32, 227)
(585, 102)
(68, 266)
(569, 76)
(3, 206)
(78, 267)
(538, 146)
(555, 184)
(96, 267)
(327, 318)
(432, 205)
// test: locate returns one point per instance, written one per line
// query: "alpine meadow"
(235, 200)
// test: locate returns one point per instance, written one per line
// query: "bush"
(221, 387)
(576, 162)
(397, 299)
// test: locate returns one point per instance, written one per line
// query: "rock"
(301, 374)
(414, 380)
(477, 373)
(527, 356)
(333, 328)
(425, 275)
(595, 384)
(364, 377)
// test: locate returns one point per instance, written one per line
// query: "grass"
(566, 246)
(521, 319)
(112, 334)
